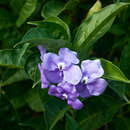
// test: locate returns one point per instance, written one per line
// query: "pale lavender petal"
(93, 69)
(67, 87)
(73, 75)
(44, 81)
(77, 104)
(50, 61)
(96, 88)
(55, 76)
(83, 90)
(42, 51)
(68, 55)
(52, 90)
(72, 96)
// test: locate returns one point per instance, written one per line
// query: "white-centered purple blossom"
(60, 67)
(91, 83)
(66, 80)
(66, 91)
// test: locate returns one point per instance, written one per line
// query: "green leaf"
(6, 19)
(71, 124)
(31, 66)
(53, 20)
(96, 26)
(12, 58)
(34, 100)
(26, 11)
(98, 111)
(118, 87)
(55, 110)
(95, 8)
(51, 35)
(52, 8)
(125, 60)
(13, 76)
(112, 72)
(16, 3)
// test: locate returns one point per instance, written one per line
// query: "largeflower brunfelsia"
(66, 80)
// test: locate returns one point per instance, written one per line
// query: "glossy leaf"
(95, 8)
(52, 8)
(16, 3)
(112, 72)
(97, 25)
(53, 20)
(26, 11)
(118, 87)
(12, 58)
(55, 110)
(31, 66)
(51, 35)
(97, 112)
(6, 19)
(34, 101)
(71, 124)
(13, 76)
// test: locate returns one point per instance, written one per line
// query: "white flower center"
(85, 80)
(65, 95)
(61, 66)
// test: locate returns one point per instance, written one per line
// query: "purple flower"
(44, 81)
(66, 91)
(61, 67)
(70, 81)
(91, 83)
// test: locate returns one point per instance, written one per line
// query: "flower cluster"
(66, 80)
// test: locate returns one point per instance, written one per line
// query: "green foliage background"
(57, 23)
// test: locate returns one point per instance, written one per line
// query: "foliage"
(95, 29)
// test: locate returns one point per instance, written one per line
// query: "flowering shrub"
(64, 65)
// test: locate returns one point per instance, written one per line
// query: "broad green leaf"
(55, 110)
(6, 19)
(125, 60)
(26, 11)
(13, 76)
(112, 72)
(34, 101)
(9, 58)
(52, 8)
(51, 35)
(72, 4)
(95, 8)
(18, 102)
(31, 66)
(96, 26)
(12, 58)
(71, 124)
(16, 3)
(98, 111)
(53, 20)
(118, 87)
